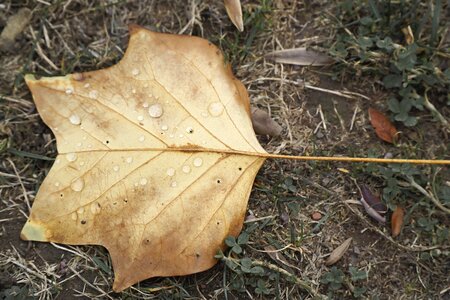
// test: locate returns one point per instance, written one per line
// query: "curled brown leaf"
(373, 205)
(397, 221)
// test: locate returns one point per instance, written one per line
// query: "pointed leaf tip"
(234, 11)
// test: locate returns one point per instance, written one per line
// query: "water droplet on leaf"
(186, 169)
(171, 172)
(77, 185)
(155, 110)
(198, 162)
(71, 157)
(215, 109)
(75, 119)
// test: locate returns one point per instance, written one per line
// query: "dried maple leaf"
(157, 158)
(383, 127)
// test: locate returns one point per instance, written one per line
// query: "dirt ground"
(80, 35)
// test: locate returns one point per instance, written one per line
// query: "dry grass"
(83, 35)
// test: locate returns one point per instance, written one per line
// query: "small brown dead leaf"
(383, 127)
(300, 57)
(397, 221)
(15, 25)
(264, 124)
(337, 253)
(234, 11)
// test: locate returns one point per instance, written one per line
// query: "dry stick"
(275, 268)
(428, 195)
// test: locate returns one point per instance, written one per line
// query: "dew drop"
(57, 161)
(86, 85)
(171, 172)
(143, 181)
(181, 135)
(74, 216)
(133, 91)
(171, 135)
(215, 109)
(145, 105)
(89, 146)
(77, 185)
(75, 119)
(186, 169)
(164, 127)
(141, 138)
(189, 130)
(77, 76)
(116, 168)
(80, 210)
(95, 208)
(71, 156)
(81, 163)
(173, 184)
(204, 114)
(155, 110)
(135, 72)
(69, 91)
(198, 162)
(84, 138)
(79, 144)
(129, 159)
(140, 118)
(93, 94)
(136, 184)
(57, 183)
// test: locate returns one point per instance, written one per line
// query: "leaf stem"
(362, 159)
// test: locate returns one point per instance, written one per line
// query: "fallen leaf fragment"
(300, 57)
(156, 158)
(373, 205)
(234, 11)
(15, 25)
(383, 127)
(337, 253)
(397, 221)
(264, 124)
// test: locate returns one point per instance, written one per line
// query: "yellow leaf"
(151, 161)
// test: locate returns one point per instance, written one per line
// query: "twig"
(435, 112)
(301, 283)
(428, 195)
